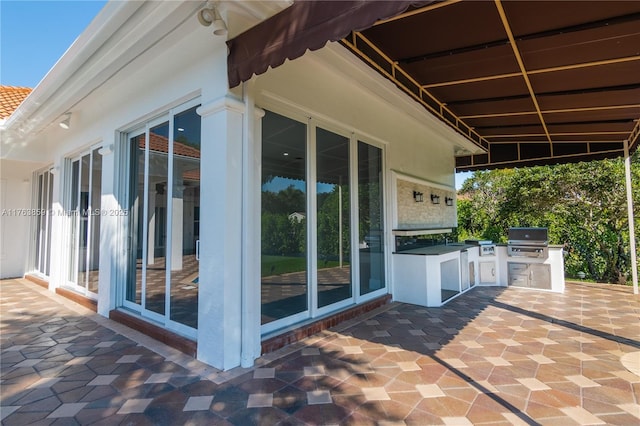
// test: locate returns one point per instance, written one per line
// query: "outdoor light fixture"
(418, 197)
(435, 199)
(210, 15)
(66, 121)
(448, 201)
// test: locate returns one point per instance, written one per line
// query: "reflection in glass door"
(164, 205)
(333, 218)
(44, 205)
(313, 192)
(284, 290)
(371, 215)
(85, 215)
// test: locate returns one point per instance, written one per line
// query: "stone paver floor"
(491, 356)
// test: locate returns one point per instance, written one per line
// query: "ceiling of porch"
(530, 82)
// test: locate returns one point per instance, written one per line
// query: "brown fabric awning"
(528, 82)
(304, 25)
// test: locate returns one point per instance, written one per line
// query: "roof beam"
(564, 123)
(523, 135)
(553, 111)
(418, 11)
(397, 72)
(544, 94)
(533, 72)
(549, 33)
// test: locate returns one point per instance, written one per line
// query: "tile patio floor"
(492, 356)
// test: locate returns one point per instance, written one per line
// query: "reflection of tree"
(284, 235)
(370, 202)
(328, 223)
(287, 201)
(281, 235)
(583, 205)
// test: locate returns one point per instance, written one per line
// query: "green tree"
(583, 205)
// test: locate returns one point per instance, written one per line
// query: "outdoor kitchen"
(430, 268)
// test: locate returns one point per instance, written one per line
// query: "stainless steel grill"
(528, 242)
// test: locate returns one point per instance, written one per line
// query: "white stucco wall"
(15, 195)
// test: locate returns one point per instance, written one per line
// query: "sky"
(35, 34)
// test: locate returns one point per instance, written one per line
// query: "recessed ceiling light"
(285, 154)
(180, 129)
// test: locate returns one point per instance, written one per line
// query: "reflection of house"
(315, 105)
(297, 217)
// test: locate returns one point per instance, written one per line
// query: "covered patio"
(527, 82)
(492, 356)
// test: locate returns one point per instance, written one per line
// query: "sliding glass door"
(42, 222)
(333, 218)
(371, 218)
(164, 211)
(321, 196)
(284, 287)
(85, 217)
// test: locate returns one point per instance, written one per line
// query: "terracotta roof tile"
(10, 98)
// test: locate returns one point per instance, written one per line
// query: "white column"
(59, 249)
(151, 225)
(251, 189)
(108, 232)
(632, 233)
(219, 294)
(177, 225)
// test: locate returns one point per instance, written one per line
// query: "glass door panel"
(156, 266)
(84, 207)
(185, 215)
(95, 207)
(164, 205)
(333, 218)
(284, 218)
(137, 165)
(39, 244)
(44, 203)
(370, 210)
(83, 221)
(74, 212)
(47, 223)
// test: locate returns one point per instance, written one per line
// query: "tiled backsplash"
(425, 214)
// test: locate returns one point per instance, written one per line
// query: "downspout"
(632, 234)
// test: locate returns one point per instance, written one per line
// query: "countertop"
(437, 250)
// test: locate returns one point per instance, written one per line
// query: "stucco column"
(108, 225)
(151, 226)
(177, 223)
(251, 235)
(219, 294)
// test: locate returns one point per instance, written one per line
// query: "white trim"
(106, 150)
(632, 240)
(223, 103)
(312, 219)
(421, 181)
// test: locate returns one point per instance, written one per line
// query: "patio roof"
(529, 82)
